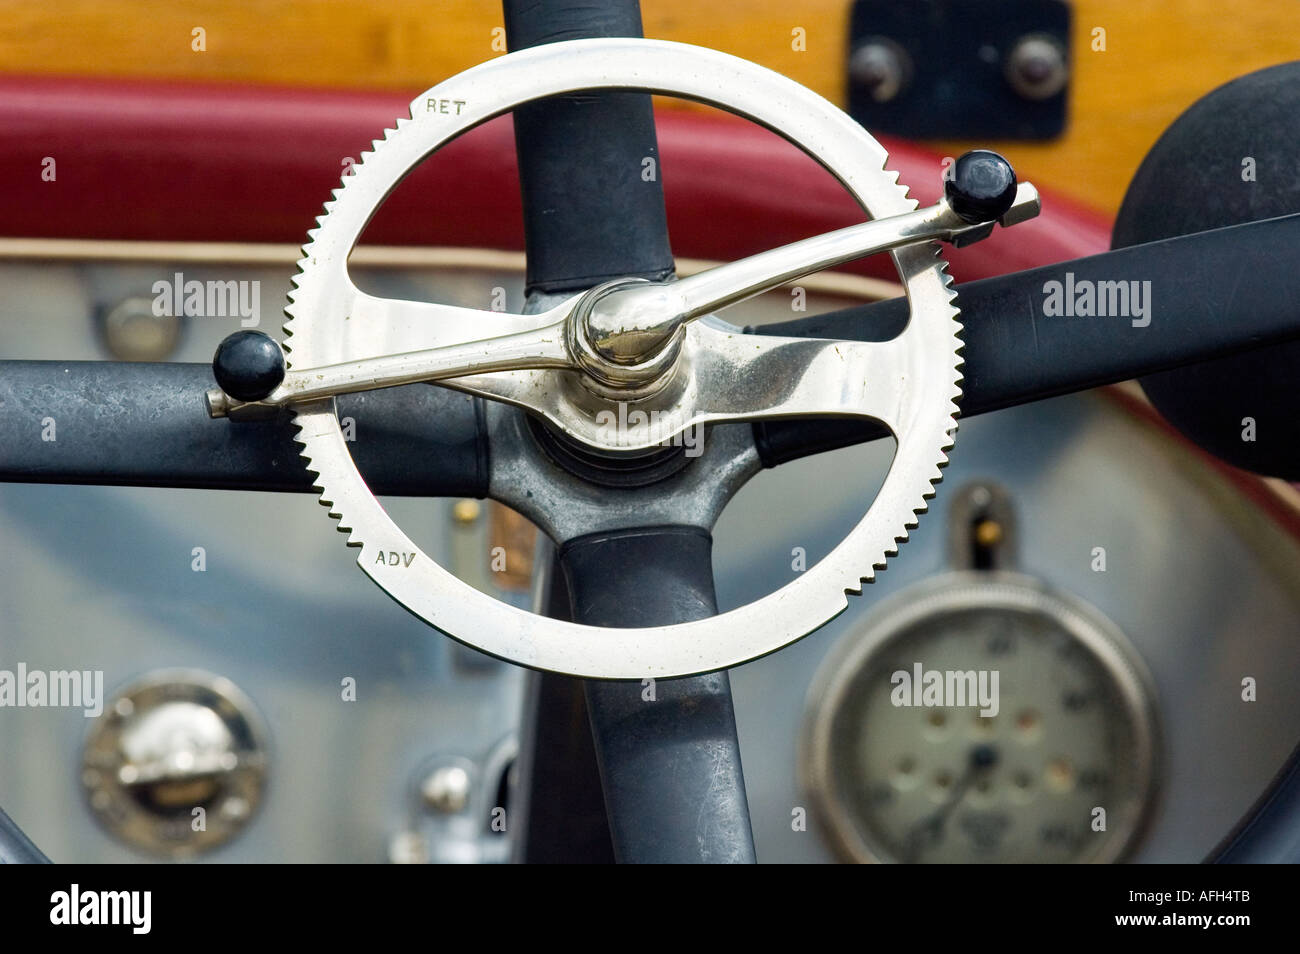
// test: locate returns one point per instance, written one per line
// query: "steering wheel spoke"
(644, 732)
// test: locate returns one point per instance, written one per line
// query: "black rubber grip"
(146, 425)
(606, 220)
(1200, 295)
(668, 752)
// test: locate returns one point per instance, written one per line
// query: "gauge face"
(177, 764)
(982, 718)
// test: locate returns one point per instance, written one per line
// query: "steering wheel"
(593, 392)
(620, 413)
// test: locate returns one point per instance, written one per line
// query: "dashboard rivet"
(446, 789)
(466, 510)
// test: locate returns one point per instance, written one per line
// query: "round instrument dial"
(982, 718)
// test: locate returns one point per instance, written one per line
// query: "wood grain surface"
(1160, 56)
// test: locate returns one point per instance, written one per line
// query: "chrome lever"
(619, 333)
(631, 321)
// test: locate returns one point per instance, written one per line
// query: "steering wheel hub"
(626, 364)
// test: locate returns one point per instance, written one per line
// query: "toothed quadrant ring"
(656, 347)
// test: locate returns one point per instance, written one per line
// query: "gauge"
(177, 764)
(134, 331)
(981, 717)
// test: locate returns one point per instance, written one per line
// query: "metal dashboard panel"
(1204, 585)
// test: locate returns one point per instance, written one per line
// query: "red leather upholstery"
(157, 161)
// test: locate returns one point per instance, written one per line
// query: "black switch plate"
(955, 62)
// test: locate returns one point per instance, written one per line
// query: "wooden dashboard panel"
(1159, 56)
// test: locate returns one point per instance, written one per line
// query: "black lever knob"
(248, 365)
(980, 186)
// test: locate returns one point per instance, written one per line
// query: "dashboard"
(1118, 611)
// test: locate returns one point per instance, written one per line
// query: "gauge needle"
(928, 829)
